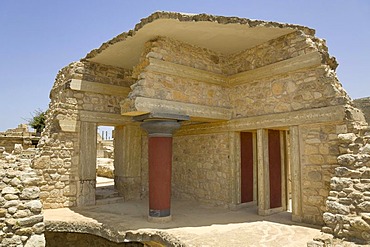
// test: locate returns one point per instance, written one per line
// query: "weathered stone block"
(30, 193)
(36, 240)
(10, 190)
(34, 205)
(41, 162)
(347, 138)
(346, 159)
(337, 208)
(30, 221)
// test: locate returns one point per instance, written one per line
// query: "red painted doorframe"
(274, 148)
(246, 169)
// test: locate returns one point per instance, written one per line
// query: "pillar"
(127, 161)
(263, 172)
(160, 167)
(87, 165)
(295, 164)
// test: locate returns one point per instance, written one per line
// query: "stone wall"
(164, 86)
(287, 46)
(58, 163)
(318, 161)
(21, 218)
(348, 205)
(201, 168)
(174, 51)
(297, 90)
(364, 105)
(285, 93)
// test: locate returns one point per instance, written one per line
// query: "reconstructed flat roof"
(226, 35)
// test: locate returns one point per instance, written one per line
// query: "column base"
(160, 219)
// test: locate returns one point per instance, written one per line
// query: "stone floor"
(192, 225)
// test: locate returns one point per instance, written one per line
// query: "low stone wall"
(348, 204)
(21, 218)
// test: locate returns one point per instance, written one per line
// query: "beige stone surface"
(192, 225)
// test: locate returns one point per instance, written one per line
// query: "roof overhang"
(225, 35)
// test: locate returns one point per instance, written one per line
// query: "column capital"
(160, 128)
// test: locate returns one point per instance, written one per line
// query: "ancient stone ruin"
(224, 111)
(20, 135)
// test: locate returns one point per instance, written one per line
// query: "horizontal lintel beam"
(194, 111)
(101, 88)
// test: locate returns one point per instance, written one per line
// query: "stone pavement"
(192, 225)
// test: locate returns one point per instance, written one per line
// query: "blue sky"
(39, 37)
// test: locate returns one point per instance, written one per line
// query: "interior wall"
(201, 168)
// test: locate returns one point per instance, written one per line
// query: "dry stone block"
(10, 190)
(337, 208)
(347, 138)
(36, 240)
(30, 193)
(346, 159)
(42, 162)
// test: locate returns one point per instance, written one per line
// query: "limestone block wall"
(21, 218)
(319, 145)
(58, 150)
(302, 89)
(285, 93)
(164, 86)
(58, 163)
(275, 50)
(201, 168)
(178, 52)
(348, 205)
(175, 88)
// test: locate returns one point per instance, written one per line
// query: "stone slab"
(194, 111)
(95, 87)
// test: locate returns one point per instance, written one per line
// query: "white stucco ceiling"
(223, 38)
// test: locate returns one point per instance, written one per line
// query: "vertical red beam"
(274, 168)
(160, 159)
(246, 169)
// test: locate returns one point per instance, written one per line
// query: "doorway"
(105, 186)
(265, 177)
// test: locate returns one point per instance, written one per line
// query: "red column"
(160, 166)
(160, 161)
